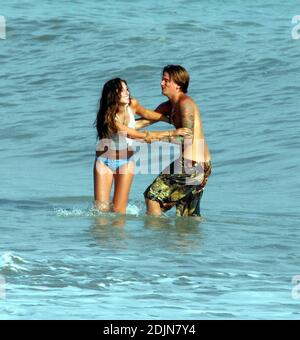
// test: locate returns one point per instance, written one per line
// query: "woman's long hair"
(108, 108)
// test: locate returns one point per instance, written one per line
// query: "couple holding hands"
(181, 184)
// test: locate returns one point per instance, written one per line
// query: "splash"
(132, 209)
(75, 212)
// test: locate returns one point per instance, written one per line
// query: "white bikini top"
(131, 123)
(118, 141)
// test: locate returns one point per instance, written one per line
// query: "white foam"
(93, 212)
(101, 285)
(133, 210)
(10, 261)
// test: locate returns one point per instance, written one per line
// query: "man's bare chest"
(176, 118)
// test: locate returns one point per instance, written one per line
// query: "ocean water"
(61, 259)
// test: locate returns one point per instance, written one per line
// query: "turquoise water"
(58, 257)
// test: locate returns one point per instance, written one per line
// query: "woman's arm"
(179, 136)
(153, 136)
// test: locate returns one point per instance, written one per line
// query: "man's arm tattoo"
(187, 116)
(187, 121)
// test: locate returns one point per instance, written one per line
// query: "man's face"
(168, 87)
(125, 95)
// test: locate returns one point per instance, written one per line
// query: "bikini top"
(131, 123)
(118, 141)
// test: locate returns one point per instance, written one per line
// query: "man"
(181, 184)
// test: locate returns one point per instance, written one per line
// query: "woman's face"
(125, 97)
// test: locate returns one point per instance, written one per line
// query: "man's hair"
(179, 75)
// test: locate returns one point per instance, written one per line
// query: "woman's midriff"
(116, 154)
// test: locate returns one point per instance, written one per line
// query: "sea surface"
(59, 258)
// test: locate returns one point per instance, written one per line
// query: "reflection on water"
(130, 232)
(183, 224)
(109, 231)
(176, 233)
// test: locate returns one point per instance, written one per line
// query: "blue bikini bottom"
(115, 164)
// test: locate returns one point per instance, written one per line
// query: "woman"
(117, 128)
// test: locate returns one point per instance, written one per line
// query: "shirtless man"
(182, 183)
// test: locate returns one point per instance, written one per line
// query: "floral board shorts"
(181, 185)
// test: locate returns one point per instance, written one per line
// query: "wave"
(11, 263)
(45, 37)
(24, 204)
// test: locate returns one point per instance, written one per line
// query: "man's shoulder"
(187, 103)
(164, 107)
(186, 100)
(134, 103)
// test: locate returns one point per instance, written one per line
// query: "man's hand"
(184, 132)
